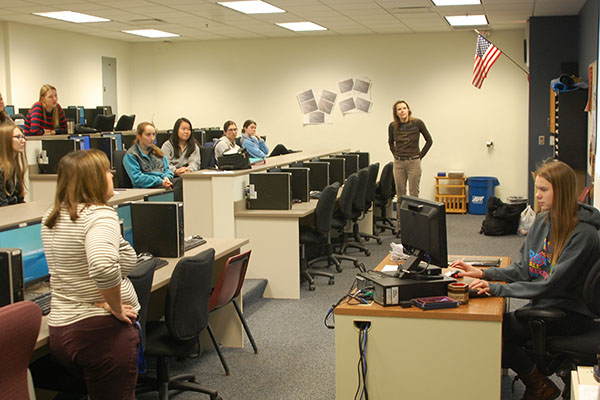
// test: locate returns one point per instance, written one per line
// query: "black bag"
(239, 160)
(501, 218)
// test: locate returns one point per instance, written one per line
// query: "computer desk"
(209, 195)
(415, 354)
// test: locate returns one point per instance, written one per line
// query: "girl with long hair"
(46, 117)
(13, 165)
(182, 150)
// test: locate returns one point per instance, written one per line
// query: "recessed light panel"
(467, 20)
(302, 26)
(252, 7)
(151, 33)
(456, 2)
(71, 16)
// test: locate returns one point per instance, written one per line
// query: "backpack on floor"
(501, 218)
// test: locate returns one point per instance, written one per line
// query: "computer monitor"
(198, 134)
(212, 134)
(10, 110)
(28, 238)
(71, 114)
(81, 113)
(24, 111)
(106, 110)
(167, 195)
(124, 212)
(319, 174)
(161, 137)
(105, 144)
(337, 168)
(55, 149)
(117, 140)
(128, 140)
(423, 225)
(352, 163)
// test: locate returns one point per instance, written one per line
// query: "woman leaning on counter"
(93, 303)
(13, 165)
(46, 117)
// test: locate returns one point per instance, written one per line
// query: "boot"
(539, 387)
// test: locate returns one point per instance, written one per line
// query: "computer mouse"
(473, 294)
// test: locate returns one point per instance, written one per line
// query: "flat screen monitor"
(106, 110)
(124, 212)
(71, 114)
(337, 169)
(161, 137)
(81, 115)
(352, 163)
(28, 238)
(128, 140)
(319, 174)
(24, 111)
(167, 195)
(55, 149)
(117, 140)
(10, 110)
(423, 225)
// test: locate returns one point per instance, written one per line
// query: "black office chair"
(383, 196)
(186, 315)
(343, 215)
(319, 235)
(561, 354)
(358, 205)
(104, 123)
(141, 277)
(207, 156)
(125, 123)
(123, 180)
(370, 198)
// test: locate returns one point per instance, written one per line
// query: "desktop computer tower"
(269, 191)
(11, 276)
(352, 163)
(300, 183)
(337, 169)
(319, 174)
(363, 158)
(53, 150)
(158, 228)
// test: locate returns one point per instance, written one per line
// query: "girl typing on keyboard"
(93, 302)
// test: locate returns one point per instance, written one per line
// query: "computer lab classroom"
(226, 65)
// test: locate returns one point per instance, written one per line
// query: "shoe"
(539, 387)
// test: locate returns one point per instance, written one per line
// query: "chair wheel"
(338, 268)
(368, 253)
(331, 281)
(311, 287)
(379, 241)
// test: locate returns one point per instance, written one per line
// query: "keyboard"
(193, 242)
(43, 302)
(147, 256)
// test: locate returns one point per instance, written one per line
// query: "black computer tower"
(319, 174)
(300, 183)
(269, 191)
(337, 169)
(158, 228)
(105, 144)
(363, 158)
(11, 276)
(53, 150)
(352, 163)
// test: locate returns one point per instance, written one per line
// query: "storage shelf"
(453, 195)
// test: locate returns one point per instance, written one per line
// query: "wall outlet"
(541, 140)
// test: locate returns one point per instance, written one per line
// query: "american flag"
(486, 55)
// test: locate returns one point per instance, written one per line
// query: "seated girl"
(182, 150)
(256, 146)
(13, 165)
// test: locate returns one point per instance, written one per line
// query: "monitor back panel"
(55, 149)
(105, 144)
(337, 169)
(272, 191)
(162, 137)
(158, 228)
(319, 174)
(300, 183)
(352, 163)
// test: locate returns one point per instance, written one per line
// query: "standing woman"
(182, 150)
(4, 117)
(93, 303)
(403, 138)
(13, 165)
(46, 117)
(559, 250)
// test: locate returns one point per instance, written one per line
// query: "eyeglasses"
(232, 130)
(19, 137)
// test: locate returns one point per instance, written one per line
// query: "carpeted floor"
(296, 350)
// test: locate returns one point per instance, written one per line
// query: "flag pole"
(509, 57)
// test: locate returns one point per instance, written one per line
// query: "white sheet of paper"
(390, 268)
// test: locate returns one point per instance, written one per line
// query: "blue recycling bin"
(481, 188)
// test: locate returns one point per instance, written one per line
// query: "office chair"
(373, 170)
(141, 277)
(104, 123)
(343, 215)
(318, 235)
(561, 354)
(207, 156)
(358, 204)
(227, 289)
(125, 123)
(383, 195)
(186, 315)
(123, 180)
(20, 324)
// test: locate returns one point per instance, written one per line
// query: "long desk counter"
(418, 354)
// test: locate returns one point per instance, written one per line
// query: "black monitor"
(167, 195)
(106, 110)
(24, 111)
(28, 238)
(55, 149)
(423, 225)
(10, 110)
(117, 139)
(161, 137)
(212, 134)
(319, 174)
(337, 169)
(105, 144)
(127, 140)
(352, 163)
(71, 114)
(198, 134)
(124, 212)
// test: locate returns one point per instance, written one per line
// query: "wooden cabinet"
(451, 192)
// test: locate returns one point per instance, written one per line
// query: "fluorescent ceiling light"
(151, 33)
(71, 16)
(302, 26)
(440, 3)
(252, 7)
(467, 20)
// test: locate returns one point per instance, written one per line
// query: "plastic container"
(481, 188)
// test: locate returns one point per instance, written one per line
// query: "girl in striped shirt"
(46, 117)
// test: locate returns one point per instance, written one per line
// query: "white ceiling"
(206, 20)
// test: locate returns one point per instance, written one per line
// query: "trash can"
(481, 188)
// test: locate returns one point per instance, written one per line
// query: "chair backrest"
(361, 191)
(371, 184)
(347, 196)
(325, 207)
(384, 189)
(104, 123)
(20, 325)
(125, 123)
(230, 281)
(207, 156)
(186, 305)
(141, 277)
(591, 289)
(123, 180)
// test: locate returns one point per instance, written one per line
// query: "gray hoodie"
(560, 285)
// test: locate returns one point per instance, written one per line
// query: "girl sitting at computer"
(4, 117)
(146, 164)
(93, 304)
(256, 145)
(182, 150)
(46, 117)
(559, 250)
(13, 165)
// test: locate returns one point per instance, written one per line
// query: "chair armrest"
(540, 313)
